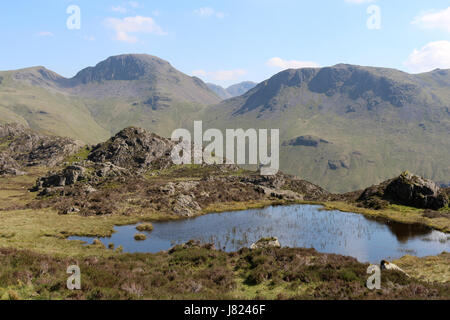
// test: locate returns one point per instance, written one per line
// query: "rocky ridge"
(134, 169)
(22, 147)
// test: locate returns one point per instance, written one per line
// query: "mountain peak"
(233, 90)
(124, 67)
(39, 76)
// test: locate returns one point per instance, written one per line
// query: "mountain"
(99, 101)
(221, 92)
(346, 127)
(232, 91)
(343, 127)
(240, 88)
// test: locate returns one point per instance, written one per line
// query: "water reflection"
(308, 226)
(403, 231)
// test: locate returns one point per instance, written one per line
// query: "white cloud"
(89, 38)
(290, 64)
(126, 27)
(209, 12)
(220, 75)
(434, 20)
(119, 9)
(359, 1)
(431, 56)
(45, 34)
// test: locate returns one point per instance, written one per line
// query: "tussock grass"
(432, 269)
(145, 227)
(140, 237)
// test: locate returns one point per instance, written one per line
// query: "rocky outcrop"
(266, 243)
(306, 141)
(186, 206)
(134, 148)
(21, 147)
(86, 171)
(9, 166)
(407, 189)
(341, 163)
(287, 187)
(134, 170)
(132, 151)
(416, 191)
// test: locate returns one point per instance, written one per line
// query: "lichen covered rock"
(266, 243)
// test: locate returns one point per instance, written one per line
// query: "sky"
(227, 41)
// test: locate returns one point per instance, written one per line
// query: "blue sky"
(228, 41)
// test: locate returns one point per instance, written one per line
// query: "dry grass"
(432, 269)
(395, 213)
(145, 227)
(140, 237)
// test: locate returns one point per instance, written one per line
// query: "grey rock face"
(134, 148)
(415, 191)
(407, 189)
(186, 206)
(23, 147)
(307, 141)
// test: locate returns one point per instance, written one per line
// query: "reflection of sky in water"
(295, 226)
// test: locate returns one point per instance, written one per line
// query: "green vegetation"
(140, 237)
(35, 268)
(95, 110)
(145, 227)
(200, 273)
(370, 138)
(436, 268)
(397, 213)
(79, 156)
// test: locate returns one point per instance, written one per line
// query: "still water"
(295, 226)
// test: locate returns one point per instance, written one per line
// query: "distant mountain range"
(343, 127)
(121, 91)
(347, 126)
(232, 91)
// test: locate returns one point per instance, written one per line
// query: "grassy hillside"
(371, 123)
(47, 110)
(374, 123)
(121, 91)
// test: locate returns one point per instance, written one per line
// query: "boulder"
(266, 243)
(415, 191)
(9, 166)
(186, 206)
(407, 189)
(287, 195)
